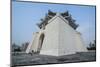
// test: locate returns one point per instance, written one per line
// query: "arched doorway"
(40, 42)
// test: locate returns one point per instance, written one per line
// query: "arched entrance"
(40, 42)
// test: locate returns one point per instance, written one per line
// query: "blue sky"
(25, 15)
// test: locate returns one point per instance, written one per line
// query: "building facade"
(57, 36)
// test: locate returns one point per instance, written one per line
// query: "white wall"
(61, 38)
(33, 43)
(81, 47)
(66, 38)
(50, 44)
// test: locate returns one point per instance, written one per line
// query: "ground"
(37, 59)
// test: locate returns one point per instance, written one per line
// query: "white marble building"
(57, 36)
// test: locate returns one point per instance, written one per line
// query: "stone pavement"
(36, 59)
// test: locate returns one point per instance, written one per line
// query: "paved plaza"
(36, 59)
